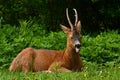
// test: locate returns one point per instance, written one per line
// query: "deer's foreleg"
(56, 67)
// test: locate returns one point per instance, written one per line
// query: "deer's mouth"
(77, 48)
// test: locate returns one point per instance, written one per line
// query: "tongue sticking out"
(77, 50)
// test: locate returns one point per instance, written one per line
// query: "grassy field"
(90, 72)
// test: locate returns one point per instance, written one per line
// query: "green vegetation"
(95, 15)
(90, 72)
(100, 53)
(101, 49)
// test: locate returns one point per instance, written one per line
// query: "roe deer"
(66, 60)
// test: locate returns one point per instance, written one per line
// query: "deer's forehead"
(74, 34)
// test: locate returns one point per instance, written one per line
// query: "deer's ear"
(78, 26)
(65, 29)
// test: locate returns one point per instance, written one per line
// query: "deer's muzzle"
(77, 46)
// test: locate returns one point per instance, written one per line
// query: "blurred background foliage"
(95, 15)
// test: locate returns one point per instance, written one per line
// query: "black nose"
(78, 45)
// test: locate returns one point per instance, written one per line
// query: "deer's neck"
(70, 52)
(70, 58)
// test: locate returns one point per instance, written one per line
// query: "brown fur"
(42, 60)
(34, 60)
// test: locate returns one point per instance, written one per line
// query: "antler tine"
(76, 17)
(69, 19)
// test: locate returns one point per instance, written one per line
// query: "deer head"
(73, 34)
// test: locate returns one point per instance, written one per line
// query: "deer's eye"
(71, 37)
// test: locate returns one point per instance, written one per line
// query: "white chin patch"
(77, 50)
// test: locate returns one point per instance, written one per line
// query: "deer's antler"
(76, 17)
(69, 19)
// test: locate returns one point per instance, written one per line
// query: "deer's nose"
(78, 45)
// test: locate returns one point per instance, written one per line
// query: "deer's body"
(43, 60)
(51, 60)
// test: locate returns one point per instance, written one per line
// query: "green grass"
(90, 72)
